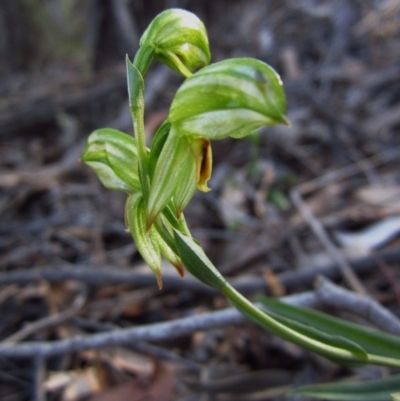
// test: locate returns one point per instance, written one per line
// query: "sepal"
(145, 240)
(231, 98)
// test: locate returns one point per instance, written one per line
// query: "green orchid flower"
(232, 98)
(113, 155)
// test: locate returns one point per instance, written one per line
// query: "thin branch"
(352, 280)
(47, 322)
(333, 295)
(142, 346)
(39, 373)
(152, 332)
(112, 275)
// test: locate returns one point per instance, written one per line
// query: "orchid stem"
(264, 320)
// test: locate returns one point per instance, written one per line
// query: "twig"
(143, 347)
(112, 275)
(39, 372)
(387, 272)
(125, 25)
(333, 295)
(321, 233)
(315, 224)
(151, 332)
(45, 175)
(47, 322)
(351, 170)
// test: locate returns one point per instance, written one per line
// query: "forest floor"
(287, 205)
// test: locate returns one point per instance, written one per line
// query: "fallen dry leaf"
(159, 388)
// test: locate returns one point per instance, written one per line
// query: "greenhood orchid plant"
(231, 98)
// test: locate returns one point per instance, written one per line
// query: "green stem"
(138, 126)
(142, 62)
(261, 318)
(383, 360)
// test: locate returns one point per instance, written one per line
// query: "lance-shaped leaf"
(371, 390)
(112, 154)
(197, 262)
(231, 98)
(145, 240)
(173, 174)
(332, 347)
(178, 39)
(382, 348)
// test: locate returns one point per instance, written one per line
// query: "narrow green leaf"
(373, 390)
(135, 87)
(197, 262)
(332, 347)
(361, 357)
(376, 343)
(113, 156)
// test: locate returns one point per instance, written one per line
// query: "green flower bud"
(173, 177)
(187, 187)
(168, 253)
(149, 242)
(113, 156)
(230, 98)
(145, 240)
(178, 39)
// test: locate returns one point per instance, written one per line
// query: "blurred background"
(62, 75)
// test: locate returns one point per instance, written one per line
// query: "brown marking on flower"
(180, 269)
(201, 149)
(159, 280)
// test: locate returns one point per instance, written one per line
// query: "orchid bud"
(113, 156)
(176, 38)
(149, 242)
(173, 177)
(145, 240)
(230, 98)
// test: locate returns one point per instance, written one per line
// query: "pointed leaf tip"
(159, 280)
(180, 270)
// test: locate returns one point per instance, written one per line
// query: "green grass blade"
(374, 342)
(374, 390)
